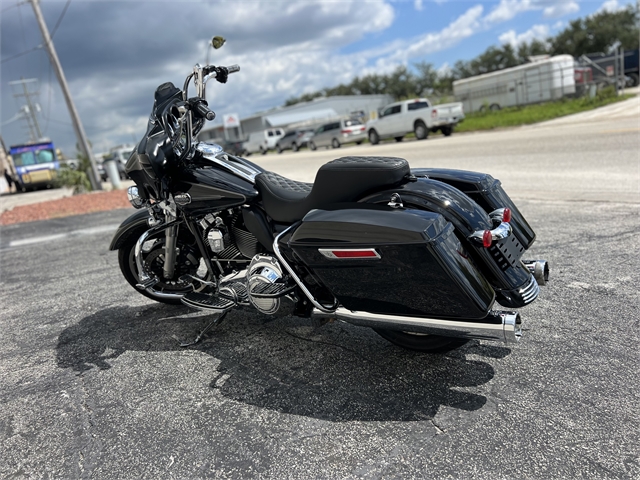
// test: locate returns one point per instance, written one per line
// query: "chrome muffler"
(496, 326)
(539, 269)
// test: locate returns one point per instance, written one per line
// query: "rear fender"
(435, 196)
(486, 191)
(467, 217)
(138, 222)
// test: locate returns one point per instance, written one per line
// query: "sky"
(115, 53)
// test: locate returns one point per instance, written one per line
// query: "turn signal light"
(506, 215)
(487, 239)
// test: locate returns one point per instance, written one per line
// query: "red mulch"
(64, 207)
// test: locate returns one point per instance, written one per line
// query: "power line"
(64, 11)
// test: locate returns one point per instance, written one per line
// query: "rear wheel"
(420, 130)
(278, 148)
(335, 143)
(446, 131)
(263, 151)
(374, 138)
(421, 342)
(294, 147)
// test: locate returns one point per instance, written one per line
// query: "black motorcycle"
(420, 255)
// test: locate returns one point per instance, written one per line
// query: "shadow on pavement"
(336, 372)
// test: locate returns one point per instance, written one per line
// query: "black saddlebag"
(392, 261)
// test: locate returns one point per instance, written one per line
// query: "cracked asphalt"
(94, 384)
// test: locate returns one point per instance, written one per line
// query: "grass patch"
(525, 115)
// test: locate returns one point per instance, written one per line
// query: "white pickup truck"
(417, 116)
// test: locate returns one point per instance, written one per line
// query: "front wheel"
(167, 290)
(294, 147)
(335, 143)
(374, 138)
(312, 146)
(421, 342)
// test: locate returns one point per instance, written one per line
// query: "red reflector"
(354, 253)
(506, 215)
(487, 239)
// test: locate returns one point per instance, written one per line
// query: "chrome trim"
(539, 269)
(497, 326)
(328, 253)
(302, 286)
(395, 201)
(530, 291)
(134, 197)
(497, 215)
(145, 280)
(209, 149)
(214, 154)
(501, 232)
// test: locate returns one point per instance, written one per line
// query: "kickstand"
(206, 329)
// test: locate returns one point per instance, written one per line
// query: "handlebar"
(216, 71)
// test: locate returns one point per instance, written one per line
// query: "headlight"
(134, 198)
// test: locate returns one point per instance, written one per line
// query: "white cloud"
(537, 32)
(560, 9)
(506, 10)
(462, 27)
(417, 4)
(610, 6)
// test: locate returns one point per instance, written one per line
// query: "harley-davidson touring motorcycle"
(422, 255)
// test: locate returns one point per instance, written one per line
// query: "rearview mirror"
(217, 42)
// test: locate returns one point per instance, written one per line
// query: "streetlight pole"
(75, 118)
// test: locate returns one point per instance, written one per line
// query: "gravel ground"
(64, 207)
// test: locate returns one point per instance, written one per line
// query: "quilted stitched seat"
(345, 179)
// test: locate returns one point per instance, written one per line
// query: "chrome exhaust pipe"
(539, 269)
(496, 326)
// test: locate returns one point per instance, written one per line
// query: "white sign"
(231, 120)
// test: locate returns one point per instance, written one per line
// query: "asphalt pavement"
(93, 382)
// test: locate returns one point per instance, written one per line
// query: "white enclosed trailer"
(539, 81)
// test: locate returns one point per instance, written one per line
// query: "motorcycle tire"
(127, 262)
(421, 342)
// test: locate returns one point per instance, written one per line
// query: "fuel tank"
(392, 261)
(203, 189)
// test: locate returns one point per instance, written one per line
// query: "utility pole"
(75, 118)
(29, 110)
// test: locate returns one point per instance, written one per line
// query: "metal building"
(307, 114)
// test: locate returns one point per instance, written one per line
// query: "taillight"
(506, 215)
(345, 132)
(487, 239)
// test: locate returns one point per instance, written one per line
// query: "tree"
(598, 33)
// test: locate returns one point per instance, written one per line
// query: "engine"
(267, 287)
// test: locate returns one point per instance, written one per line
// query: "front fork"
(170, 250)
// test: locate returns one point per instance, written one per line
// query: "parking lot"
(94, 382)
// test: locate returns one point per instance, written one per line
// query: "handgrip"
(204, 111)
(233, 68)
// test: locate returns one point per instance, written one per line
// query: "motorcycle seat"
(345, 179)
